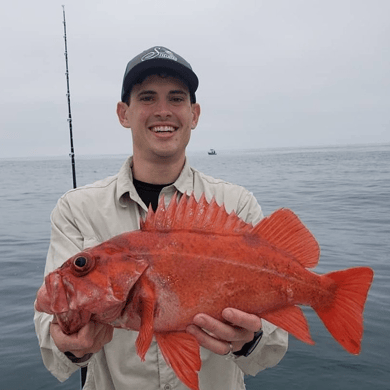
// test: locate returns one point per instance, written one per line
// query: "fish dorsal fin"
(192, 215)
(284, 230)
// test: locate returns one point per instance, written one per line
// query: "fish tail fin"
(343, 317)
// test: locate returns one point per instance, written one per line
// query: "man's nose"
(163, 109)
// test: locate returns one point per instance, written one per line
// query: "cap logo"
(159, 52)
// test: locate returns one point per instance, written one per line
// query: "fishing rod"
(83, 370)
(71, 155)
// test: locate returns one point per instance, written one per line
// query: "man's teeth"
(163, 129)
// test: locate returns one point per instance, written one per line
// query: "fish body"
(194, 257)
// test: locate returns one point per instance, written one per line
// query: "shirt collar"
(185, 183)
(126, 190)
(125, 186)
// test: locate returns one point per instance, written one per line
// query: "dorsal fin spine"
(180, 212)
(200, 212)
(160, 214)
(189, 214)
(221, 217)
(210, 216)
(171, 211)
(192, 215)
(230, 221)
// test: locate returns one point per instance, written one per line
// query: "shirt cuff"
(248, 348)
(76, 360)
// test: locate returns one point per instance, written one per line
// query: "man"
(159, 106)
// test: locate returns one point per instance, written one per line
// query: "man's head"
(158, 105)
(158, 60)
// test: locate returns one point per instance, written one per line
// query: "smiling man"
(161, 116)
(158, 104)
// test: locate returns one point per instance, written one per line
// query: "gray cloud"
(272, 73)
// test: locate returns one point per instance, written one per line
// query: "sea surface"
(342, 194)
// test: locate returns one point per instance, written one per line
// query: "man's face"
(161, 117)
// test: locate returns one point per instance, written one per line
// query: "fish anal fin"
(292, 320)
(181, 352)
(284, 230)
(146, 311)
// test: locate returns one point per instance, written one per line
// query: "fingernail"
(228, 314)
(199, 320)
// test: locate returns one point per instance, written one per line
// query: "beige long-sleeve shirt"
(89, 215)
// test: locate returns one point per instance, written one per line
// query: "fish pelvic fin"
(193, 215)
(284, 230)
(292, 320)
(147, 308)
(344, 316)
(181, 352)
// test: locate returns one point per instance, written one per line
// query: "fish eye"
(82, 264)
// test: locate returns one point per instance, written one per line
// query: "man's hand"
(89, 339)
(217, 336)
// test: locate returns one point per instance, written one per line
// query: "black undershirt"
(149, 193)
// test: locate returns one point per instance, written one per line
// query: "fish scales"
(193, 257)
(205, 258)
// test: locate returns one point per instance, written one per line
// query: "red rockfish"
(193, 257)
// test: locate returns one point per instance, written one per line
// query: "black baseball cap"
(153, 61)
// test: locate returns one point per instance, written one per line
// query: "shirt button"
(167, 387)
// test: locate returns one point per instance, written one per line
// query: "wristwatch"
(248, 348)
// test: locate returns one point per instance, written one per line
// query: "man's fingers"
(241, 319)
(217, 336)
(229, 332)
(217, 328)
(94, 336)
(209, 342)
(89, 339)
(104, 335)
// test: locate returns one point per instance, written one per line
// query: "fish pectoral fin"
(292, 320)
(146, 308)
(181, 352)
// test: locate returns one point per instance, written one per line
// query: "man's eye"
(177, 99)
(146, 98)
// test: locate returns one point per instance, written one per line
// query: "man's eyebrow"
(179, 91)
(151, 92)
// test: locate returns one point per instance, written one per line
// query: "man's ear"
(121, 110)
(195, 114)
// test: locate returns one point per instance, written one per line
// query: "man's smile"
(163, 129)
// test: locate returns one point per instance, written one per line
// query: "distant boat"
(212, 152)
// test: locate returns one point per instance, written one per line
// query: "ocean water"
(342, 194)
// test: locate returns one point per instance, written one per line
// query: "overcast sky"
(272, 73)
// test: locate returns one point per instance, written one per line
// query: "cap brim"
(158, 64)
